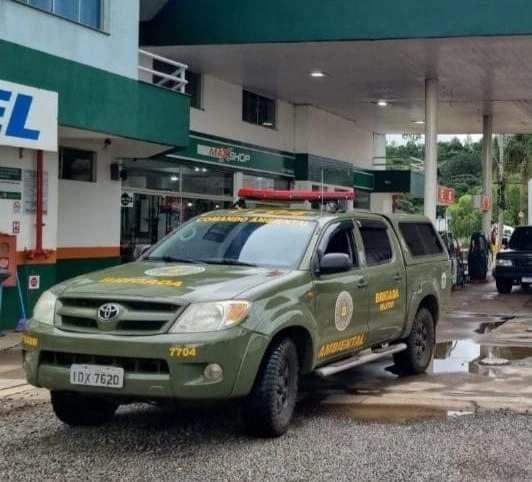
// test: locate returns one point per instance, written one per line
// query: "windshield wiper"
(232, 262)
(171, 259)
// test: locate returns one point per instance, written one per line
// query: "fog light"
(213, 372)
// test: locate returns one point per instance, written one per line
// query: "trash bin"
(478, 257)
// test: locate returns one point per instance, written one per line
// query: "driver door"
(341, 303)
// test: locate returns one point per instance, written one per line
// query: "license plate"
(97, 376)
(526, 280)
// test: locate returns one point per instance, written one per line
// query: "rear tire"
(269, 408)
(420, 345)
(504, 286)
(77, 409)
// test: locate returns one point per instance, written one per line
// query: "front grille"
(131, 365)
(132, 325)
(79, 322)
(523, 263)
(137, 316)
(132, 305)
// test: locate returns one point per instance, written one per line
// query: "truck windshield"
(522, 239)
(237, 240)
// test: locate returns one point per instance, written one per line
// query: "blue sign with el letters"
(28, 117)
(16, 126)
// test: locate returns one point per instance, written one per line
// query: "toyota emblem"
(108, 312)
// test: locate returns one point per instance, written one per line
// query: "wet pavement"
(466, 419)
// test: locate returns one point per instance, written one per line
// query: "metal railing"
(399, 163)
(163, 72)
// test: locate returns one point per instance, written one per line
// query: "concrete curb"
(10, 340)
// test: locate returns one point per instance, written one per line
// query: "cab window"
(377, 245)
(422, 240)
(339, 239)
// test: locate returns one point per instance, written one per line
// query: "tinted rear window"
(421, 239)
(522, 239)
(377, 244)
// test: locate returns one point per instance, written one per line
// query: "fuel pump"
(8, 266)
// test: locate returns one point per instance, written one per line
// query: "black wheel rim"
(422, 342)
(282, 392)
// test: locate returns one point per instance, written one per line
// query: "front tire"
(504, 286)
(77, 409)
(420, 345)
(269, 408)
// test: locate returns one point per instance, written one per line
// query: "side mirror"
(335, 263)
(505, 243)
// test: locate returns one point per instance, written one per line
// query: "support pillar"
(500, 227)
(530, 202)
(431, 147)
(487, 170)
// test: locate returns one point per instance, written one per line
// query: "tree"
(465, 220)
(520, 161)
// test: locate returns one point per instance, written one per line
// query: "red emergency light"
(295, 195)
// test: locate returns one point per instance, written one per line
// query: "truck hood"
(182, 283)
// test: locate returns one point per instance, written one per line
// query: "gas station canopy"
(368, 51)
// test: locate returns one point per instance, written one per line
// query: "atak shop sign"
(210, 150)
(223, 154)
(446, 196)
(28, 117)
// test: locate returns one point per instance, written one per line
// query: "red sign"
(446, 196)
(8, 258)
(485, 202)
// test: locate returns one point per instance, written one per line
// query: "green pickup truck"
(241, 304)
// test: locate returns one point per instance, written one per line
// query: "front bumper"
(511, 274)
(48, 353)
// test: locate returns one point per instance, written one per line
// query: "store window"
(260, 182)
(362, 200)
(194, 82)
(259, 110)
(85, 12)
(77, 165)
(193, 88)
(376, 241)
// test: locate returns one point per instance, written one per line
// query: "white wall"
(221, 115)
(11, 157)
(114, 50)
(301, 129)
(89, 213)
(323, 134)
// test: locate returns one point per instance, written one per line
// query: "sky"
(399, 140)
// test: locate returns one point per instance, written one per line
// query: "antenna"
(322, 189)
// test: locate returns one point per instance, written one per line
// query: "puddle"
(392, 414)
(488, 326)
(467, 356)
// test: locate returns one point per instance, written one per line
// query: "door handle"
(397, 277)
(362, 283)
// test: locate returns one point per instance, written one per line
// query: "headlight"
(44, 310)
(504, 262)
(203, 317)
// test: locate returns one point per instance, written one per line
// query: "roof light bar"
(295, 195)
